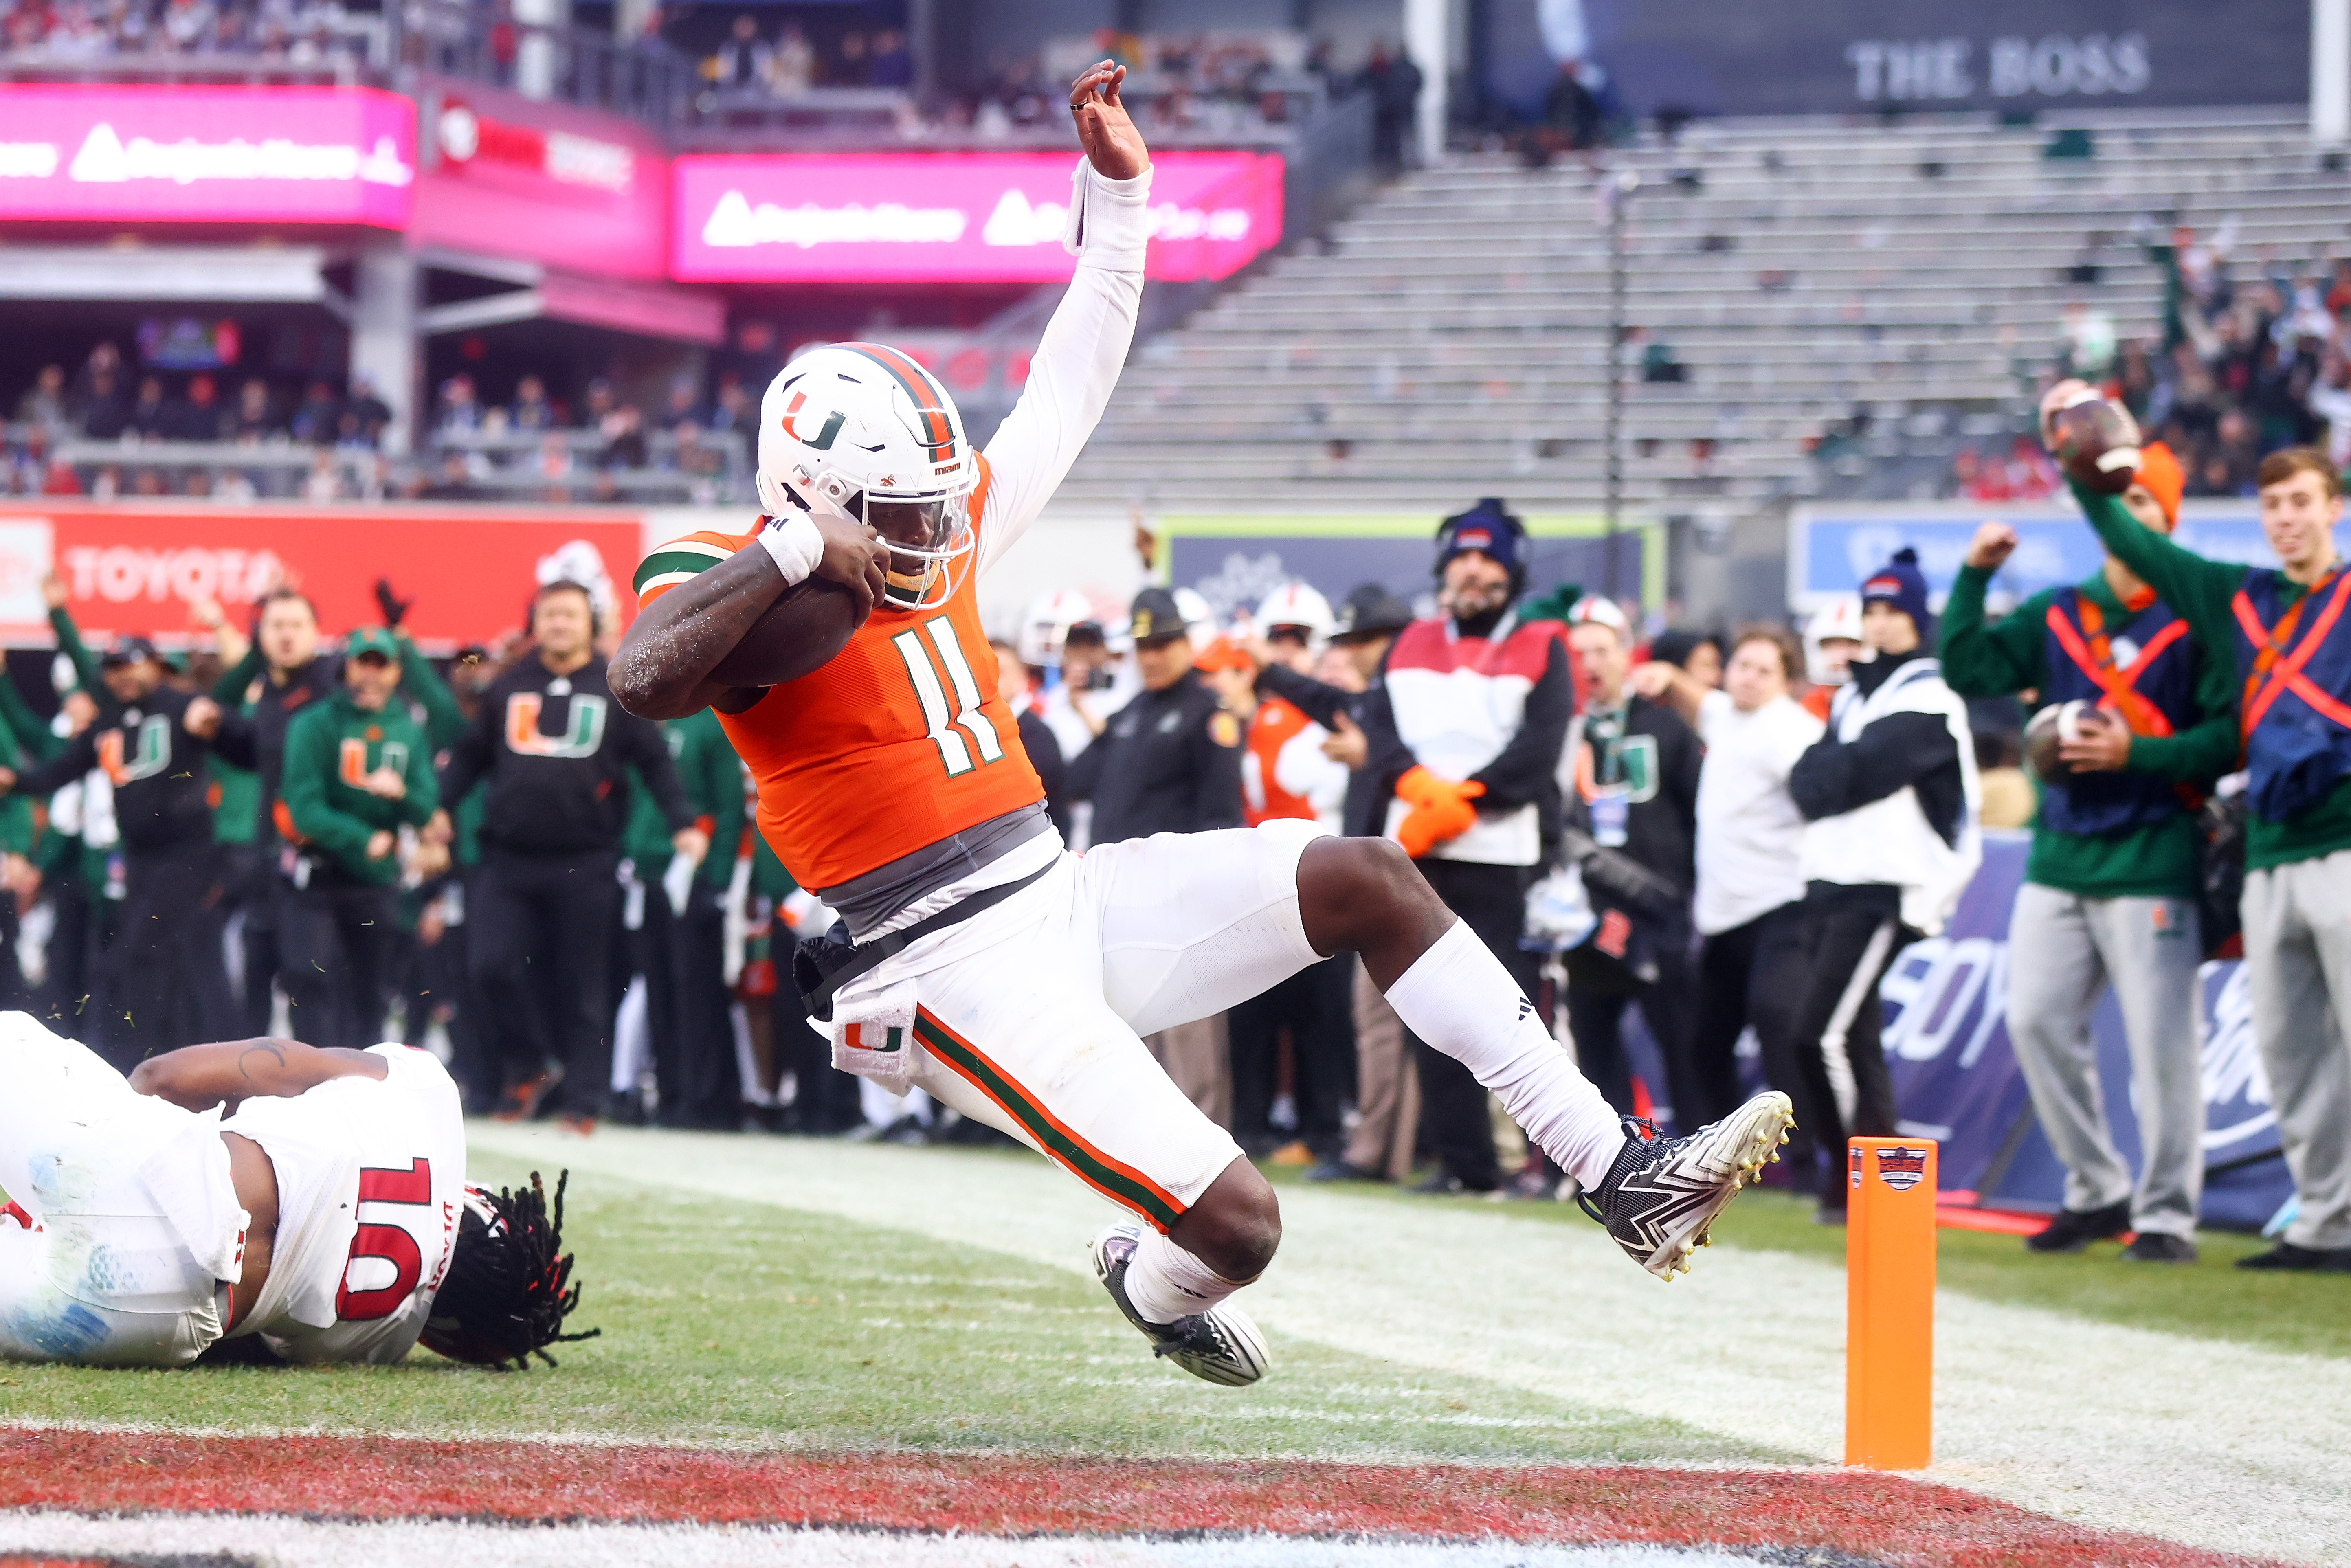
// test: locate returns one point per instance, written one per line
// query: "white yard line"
(286, 1543)
(2202, 1441)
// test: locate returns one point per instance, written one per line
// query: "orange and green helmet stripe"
(930, 399)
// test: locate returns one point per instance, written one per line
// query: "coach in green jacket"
(357, 769)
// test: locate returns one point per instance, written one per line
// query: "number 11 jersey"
(371, 1180)
(898, 741)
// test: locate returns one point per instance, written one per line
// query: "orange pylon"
(1889, 1262)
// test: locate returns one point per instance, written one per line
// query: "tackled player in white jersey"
(840, 642)
(274, 1200)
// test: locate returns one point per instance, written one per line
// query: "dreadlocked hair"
(509, 1284)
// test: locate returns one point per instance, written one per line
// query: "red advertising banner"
(945, 217)
(505, 176)
(138, 569)
(207, 154)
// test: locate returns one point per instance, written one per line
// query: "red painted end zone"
(1883, 1518)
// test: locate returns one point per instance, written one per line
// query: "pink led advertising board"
(948, 217)
(206, 155)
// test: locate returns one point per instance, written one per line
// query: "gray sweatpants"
(2298, 975)
(2063, 950)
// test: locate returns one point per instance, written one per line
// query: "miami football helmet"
(861, 430)
(1298, 605)
(1047, 624)
(1838, 620)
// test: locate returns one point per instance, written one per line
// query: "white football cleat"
(1220, 1345)
(1662, 1193)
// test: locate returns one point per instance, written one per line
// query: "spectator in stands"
(324, 482)
(743, 62)
(454, 482)
(151, 415)
(1890, 799)
(252, 423)
(734, 411)
(460, 412)
(1571, 115)
(365, 415)
(793, 71)
(201, 416)
(530, 410)
(683, 404)
(104, 411)
(598, 405)
(1394, 83)
(624, 438)
(892, 65)
(1464, 730)
(313, 422)
(853, 68)
(44, 403)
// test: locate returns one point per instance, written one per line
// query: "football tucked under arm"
(718, 620)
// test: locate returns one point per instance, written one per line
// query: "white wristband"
(795, 544)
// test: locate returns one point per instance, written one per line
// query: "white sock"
(1459, 998)
(1165, 1282)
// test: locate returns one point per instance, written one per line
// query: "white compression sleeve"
(795, 544)
(1165, 1282)
(1459, 998)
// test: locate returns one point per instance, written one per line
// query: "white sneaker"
(1662, 1193)
(1220, 1345)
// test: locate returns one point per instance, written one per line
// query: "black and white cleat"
(1662, 1193)
(1220, 1345)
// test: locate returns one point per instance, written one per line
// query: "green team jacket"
(2159, 860)
(334, 742)
(2200, 591)
(712, 775)
(236, 812)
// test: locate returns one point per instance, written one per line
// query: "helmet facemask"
(923, 537)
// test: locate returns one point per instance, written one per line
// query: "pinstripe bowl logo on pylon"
(1901, 1167)
(1853, 1162)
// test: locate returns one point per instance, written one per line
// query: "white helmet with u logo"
(860, 430)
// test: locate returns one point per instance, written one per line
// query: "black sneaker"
(2074, 1228)
(2301, 1259)
(1662, 1193)
(2155, 1247)
(1220, 1345)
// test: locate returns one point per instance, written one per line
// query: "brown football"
(2096, 443)
(805, 627)
(2050, 729)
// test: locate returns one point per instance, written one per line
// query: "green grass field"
(759, 1323)
(2210, 1299)
(738, 1323)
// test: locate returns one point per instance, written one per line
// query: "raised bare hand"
(1992, 546)
(1113, 144)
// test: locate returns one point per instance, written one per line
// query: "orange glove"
(1440, 810)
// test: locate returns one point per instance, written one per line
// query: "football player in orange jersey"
(974, 958)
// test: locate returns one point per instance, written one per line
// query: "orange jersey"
(1263, 798)
(899, 741)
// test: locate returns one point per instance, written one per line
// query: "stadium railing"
(510, 464)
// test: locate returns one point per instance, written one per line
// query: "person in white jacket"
(1890, 799)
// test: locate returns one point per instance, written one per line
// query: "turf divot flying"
(2085, 1421)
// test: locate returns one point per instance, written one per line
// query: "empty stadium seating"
(1447, 340)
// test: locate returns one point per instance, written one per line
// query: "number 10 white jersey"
(370, 1182)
